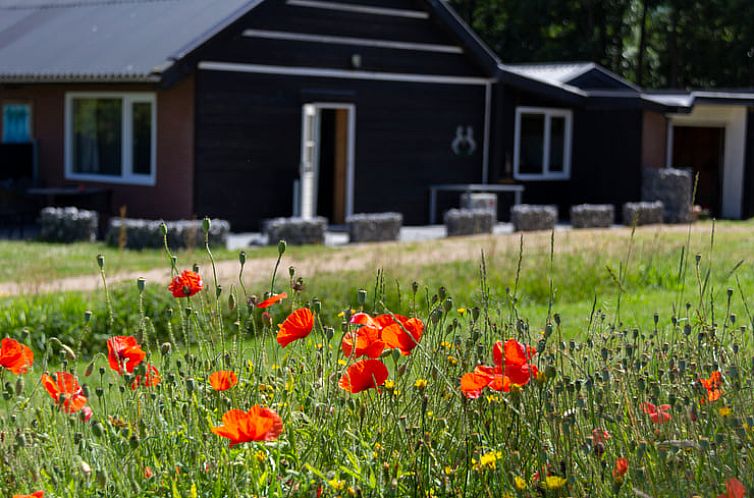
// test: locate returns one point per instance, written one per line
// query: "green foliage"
(686, 43)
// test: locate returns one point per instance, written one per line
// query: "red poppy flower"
(36, 494)
(87, 413)
(472, 384)
(396, 337)
(733, 489)
(621, 467)
(297, 326)
(150, 379)
(148, 473)
(258, 424)
(516, 354)
(223, 380)
(124, 353)
(186, 284)
(363, 375)
(600, 435)
(15, 356)
(367, 343)
(713, 385)
(272, 300)
(658, 414)
(64, 387)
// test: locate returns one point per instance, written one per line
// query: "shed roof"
(111, 40)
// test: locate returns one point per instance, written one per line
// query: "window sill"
(542, 178)
(141, 180)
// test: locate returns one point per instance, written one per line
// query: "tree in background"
(655, 43)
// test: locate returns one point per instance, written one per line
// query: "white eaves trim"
(342, 73)
(361, 9)
(344, 40)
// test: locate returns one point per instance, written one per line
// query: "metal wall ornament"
(464, 143)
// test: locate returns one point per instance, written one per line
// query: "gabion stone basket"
(68, 224)
(469, 221)
(295, 231)
(531, 217)
(374, 227)
(592, 216)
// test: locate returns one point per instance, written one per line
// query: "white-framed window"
(111, 137)
(542, 144)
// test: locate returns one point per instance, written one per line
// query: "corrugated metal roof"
(115, 40)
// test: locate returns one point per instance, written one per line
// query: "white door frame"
(733, 120)
(308, 200)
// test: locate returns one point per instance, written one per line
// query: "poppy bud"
(195, 268)
(206, 224)
(281, 247)
(442, 292)
(415, 287)
(242, 257)
(190, 385)
(317, 306)
(448, 305)
(218, 291)
(87, 316)
(232, 302)
(19, 385)
(164, 229)
(475, 313)
(97, 429)
(99, 392)
(166, 348)
(187, 311)
(101, 261)
(329, 332)
(396, 355)
(85, 390)
(361, 297)
(291, 271)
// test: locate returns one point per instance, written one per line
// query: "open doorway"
(701, 148)
(327, 168)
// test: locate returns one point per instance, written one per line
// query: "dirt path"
(361, 257)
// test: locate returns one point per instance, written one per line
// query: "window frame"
(127, 176)
(548, 113)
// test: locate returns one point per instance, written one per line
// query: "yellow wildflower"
(448, 470)
(420, 383)
(446, 345)
(261, 456)
(487, 461)
(462, 311)
(351, 491)
(337, 484)
(389, 384)
(725, 411)
(452, 360)
(342, 362)
(520, 483)
(554, 482)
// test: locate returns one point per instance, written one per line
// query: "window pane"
(557, 144)
(16, 123)
(532, 144)
(142, 140)
(97, 136)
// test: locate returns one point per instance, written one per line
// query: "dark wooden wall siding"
(605, 161)
(277, 15)
(249, 136)
(748, 197)
(253, 50)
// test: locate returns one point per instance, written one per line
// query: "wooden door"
(701, 149)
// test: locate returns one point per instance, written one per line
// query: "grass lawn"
(36, 262)
(607, 401)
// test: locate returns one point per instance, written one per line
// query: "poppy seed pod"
(141, 283)
(164, 228)
(448, 304)
(97, 429)
(316, 306)
(361, 297)
(190, 385)
(206, 224)
(87, 316)
(195, 268)
(218, 291)
(414, 287)
(281, 247)
(101, 261)
(166, 348)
